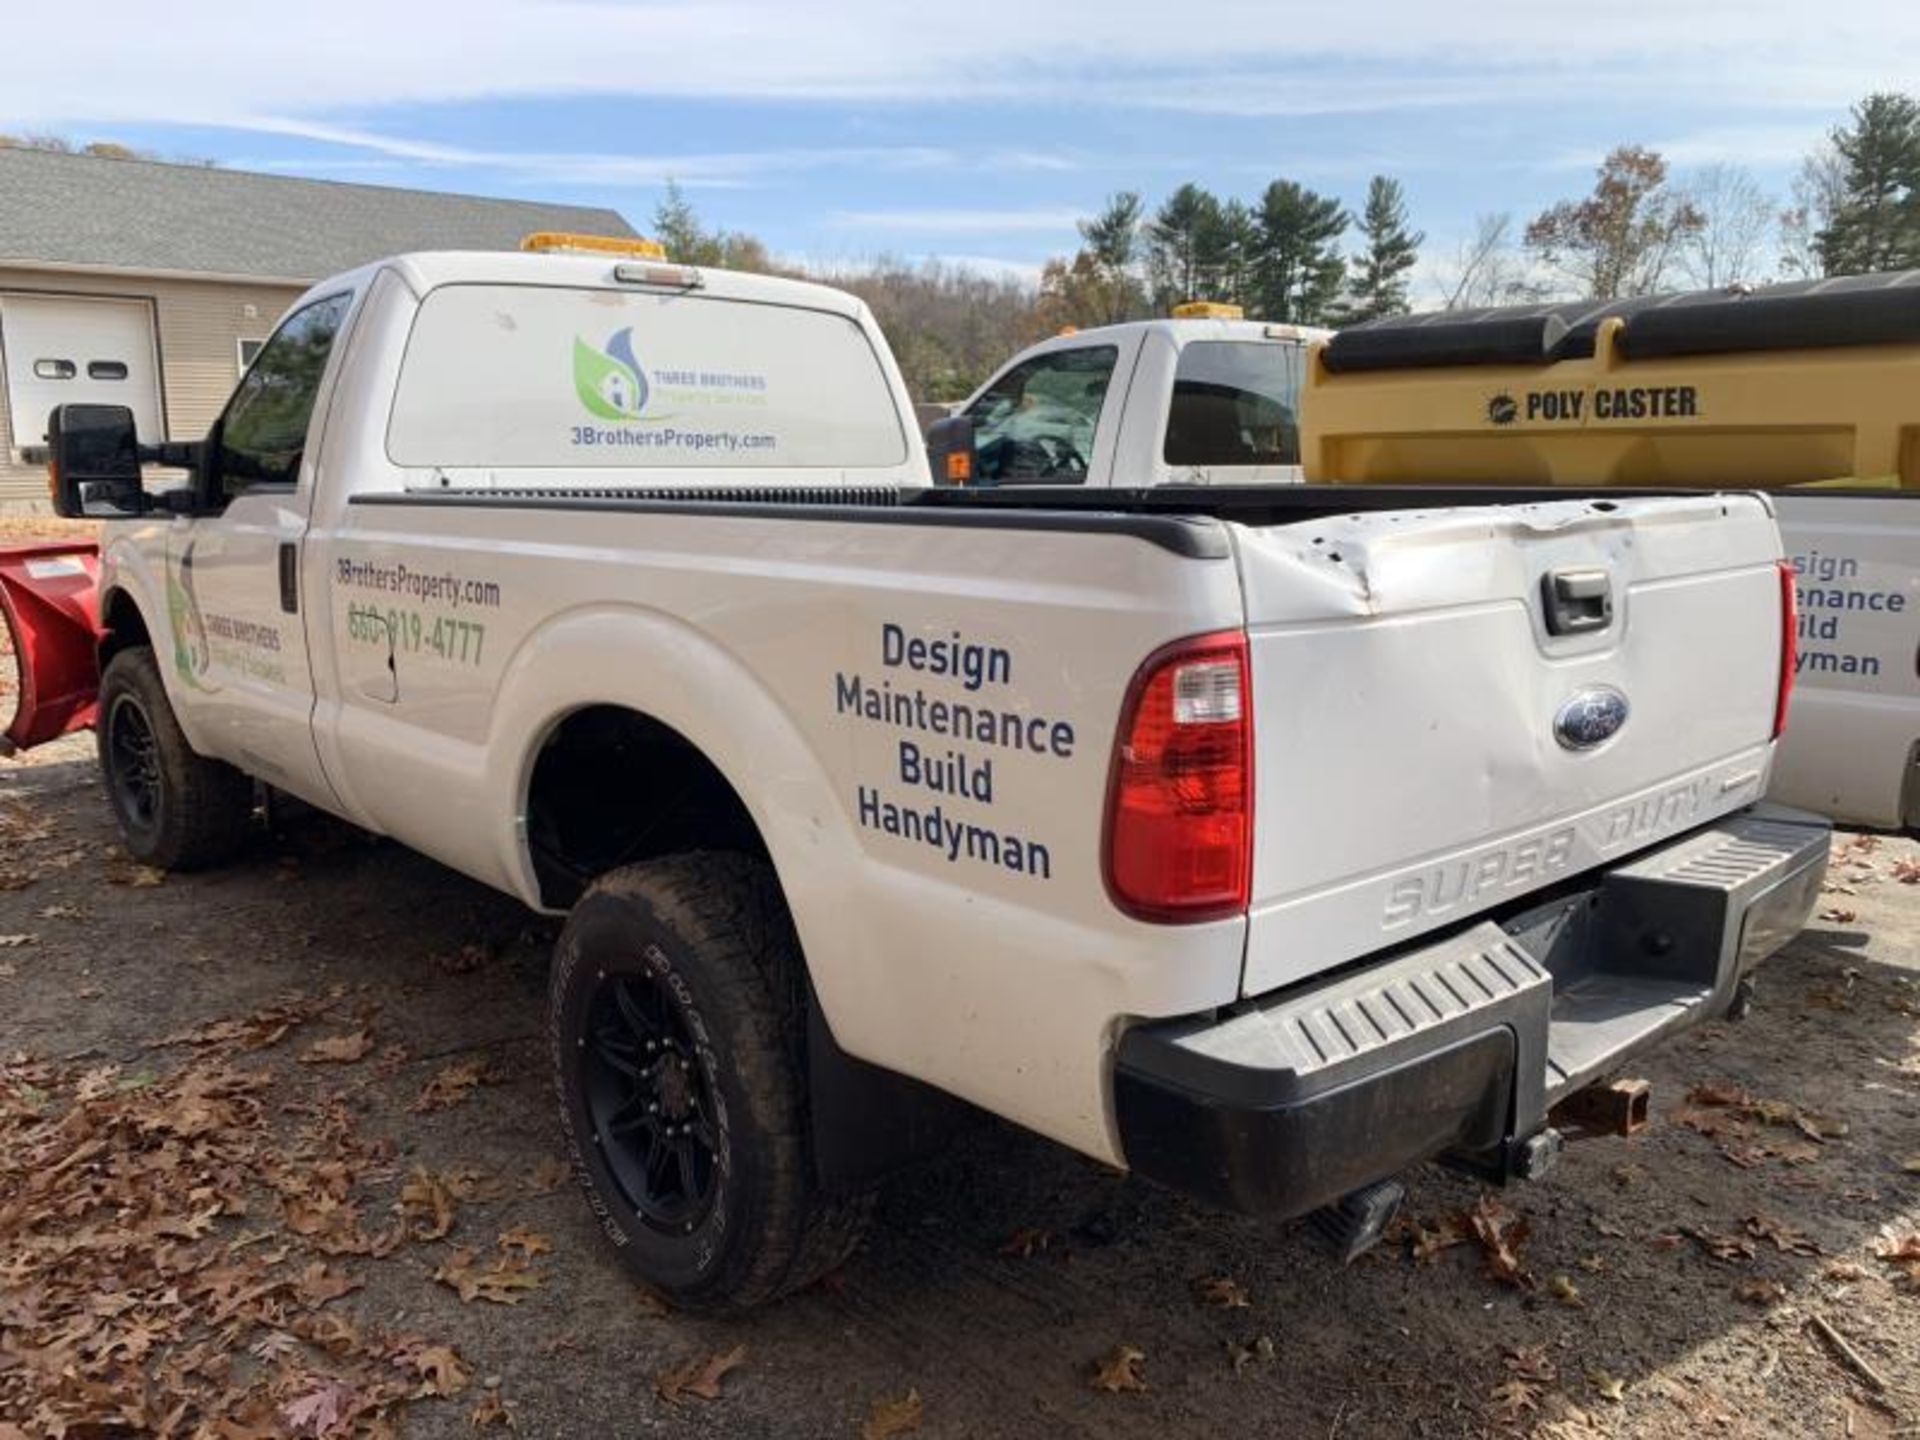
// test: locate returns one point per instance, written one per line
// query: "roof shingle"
(146, 215)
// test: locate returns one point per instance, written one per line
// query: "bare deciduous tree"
(1487, 270)
(1736, 217)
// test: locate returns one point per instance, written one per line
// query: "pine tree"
(677, 228)
(1184, 247)
(1298, 270)
(1378, 282)
(1875, 223)
(1112, 248)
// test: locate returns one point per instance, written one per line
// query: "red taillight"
(1179, 840)
(1789, 648)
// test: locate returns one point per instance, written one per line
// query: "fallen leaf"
(1531, 1363)
(1562, 1288)
(450, 1086)
(319, 1411)
(1222, 1292)
(1717, 1093)
(441, 1371)
(1241, 1356)
(1907, 872)
(1430, 1241)
(1609, 1387)
(1119, 1370)
(1902, 1252)
(528, 1243)
(1844, 1271)
(426, 1205)
(1512, 1399)
(145, 877)
(317, 1285)
(1838, 916)
(500, 1283)
(1910, 1165)
(339, 1049)
(888, 1418)
(699, 1378)
(491, 1411)
(1784, 1237)
(14, 942)
(1721, 1247)
(1760, 1292)
(1501, 1234)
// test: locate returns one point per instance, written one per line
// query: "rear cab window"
(543, 377)
(1235, 402)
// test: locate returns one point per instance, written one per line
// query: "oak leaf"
(426, 1206)
(699, 1378)
(1501, 1234)
(339, 1049)
(1221, 1291)
(500, 1283)
(1119, 1370)
(889, 1418)
(440, 1371)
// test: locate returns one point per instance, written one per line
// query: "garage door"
(62, 348)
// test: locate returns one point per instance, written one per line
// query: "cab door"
(239, 642)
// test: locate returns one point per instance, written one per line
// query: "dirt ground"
(247, 1118)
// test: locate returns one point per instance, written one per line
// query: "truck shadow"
(1669, 1277)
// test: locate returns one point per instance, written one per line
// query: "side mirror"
(93, 461)
(950, 451)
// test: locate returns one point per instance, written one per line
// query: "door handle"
(290, 577)
(1577, 601)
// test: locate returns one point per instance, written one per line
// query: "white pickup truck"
(1263, 844)
(1200, 398)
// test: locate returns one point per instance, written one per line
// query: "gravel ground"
(1664, 1284)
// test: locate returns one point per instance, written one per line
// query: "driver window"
(1037, 421)
(264, 431)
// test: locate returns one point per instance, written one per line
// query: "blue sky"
(842, 129)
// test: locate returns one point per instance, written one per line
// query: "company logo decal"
(1502, 410)
(610, 382)
(1590, 717)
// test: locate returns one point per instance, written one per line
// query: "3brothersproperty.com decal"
(410, 615)
(649, 412)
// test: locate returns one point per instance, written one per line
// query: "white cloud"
(694, 169)
(220, 63)
(959, 222)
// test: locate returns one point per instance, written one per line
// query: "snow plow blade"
(47, 595)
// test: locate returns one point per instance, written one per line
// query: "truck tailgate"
(1445, 720)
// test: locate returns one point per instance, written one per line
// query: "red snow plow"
(47, 596)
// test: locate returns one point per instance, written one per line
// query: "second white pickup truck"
(1265, 843)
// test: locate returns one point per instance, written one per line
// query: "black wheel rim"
(133, 763)
(651, 1104)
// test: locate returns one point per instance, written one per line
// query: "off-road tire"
(198, 812)
(707, 935)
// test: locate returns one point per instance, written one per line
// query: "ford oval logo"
(1590, 717)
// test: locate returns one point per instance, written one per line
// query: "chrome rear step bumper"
(1463, 1045)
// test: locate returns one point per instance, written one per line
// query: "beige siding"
(200, 325)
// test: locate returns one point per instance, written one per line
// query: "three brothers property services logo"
(610, 382)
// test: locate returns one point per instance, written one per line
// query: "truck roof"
(427, 269)
(1184, 331)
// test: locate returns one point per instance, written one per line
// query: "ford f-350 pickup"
(1265, 841)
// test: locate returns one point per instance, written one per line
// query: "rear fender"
(47, 594)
